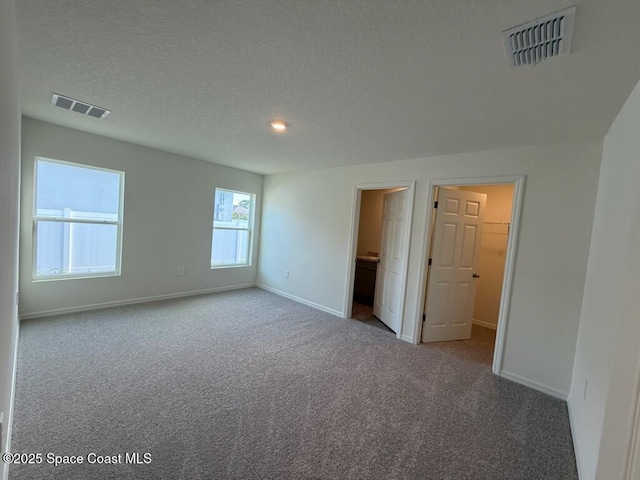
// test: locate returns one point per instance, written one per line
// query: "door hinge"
(430, 260)
(424, 317)
(435, 204)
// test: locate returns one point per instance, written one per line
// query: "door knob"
(475, 275)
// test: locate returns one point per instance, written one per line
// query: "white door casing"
(451, 283)
(390, 276)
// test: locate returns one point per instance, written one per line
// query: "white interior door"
(395, 218)
(452, 275)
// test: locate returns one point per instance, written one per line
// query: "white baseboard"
(8, 416)
(317, 306)
(554, 392)
(408, 339)
(118, 303)
(574, 438)
(484, 324)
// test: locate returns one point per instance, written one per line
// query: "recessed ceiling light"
(278, 126)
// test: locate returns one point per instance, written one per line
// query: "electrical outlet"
(181, 271)
(286, 274)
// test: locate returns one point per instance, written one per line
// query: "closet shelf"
(499, 228)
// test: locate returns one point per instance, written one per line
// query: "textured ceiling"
(359, 81)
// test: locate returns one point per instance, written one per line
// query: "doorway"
(381, 225)
(368, 256)
(484, 252)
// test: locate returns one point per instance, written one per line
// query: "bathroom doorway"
(368, 256)
(380, 238)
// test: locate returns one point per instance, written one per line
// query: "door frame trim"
(518, 181)
(632, 463)
(410, 185)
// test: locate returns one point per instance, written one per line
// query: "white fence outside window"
(75, 247)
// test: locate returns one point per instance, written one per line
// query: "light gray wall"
(9, 210)
(168, 215)
(307, 220)
(608, 342)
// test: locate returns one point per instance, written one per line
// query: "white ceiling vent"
(540, 39)
(78, 106)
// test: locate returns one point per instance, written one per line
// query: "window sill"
(73, 277)
(218, 267)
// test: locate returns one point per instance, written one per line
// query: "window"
(77, 220)
(232, 223)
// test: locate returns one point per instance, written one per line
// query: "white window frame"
(61, 219)
(249, 229)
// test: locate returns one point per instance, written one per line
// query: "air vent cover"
(540, 39)
(78, 106)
